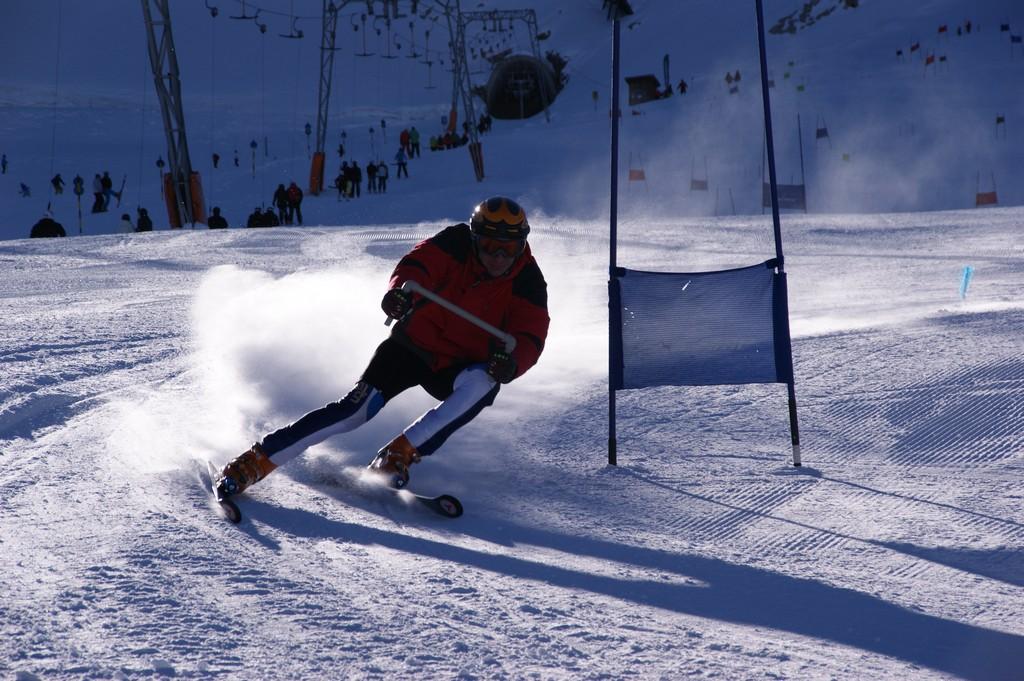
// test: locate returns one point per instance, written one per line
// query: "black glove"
(396, 303)
(502, 366)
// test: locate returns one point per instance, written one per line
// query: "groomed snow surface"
(895, 552)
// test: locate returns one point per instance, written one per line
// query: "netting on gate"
(703, 328)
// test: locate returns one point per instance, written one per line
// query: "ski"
(443, 504)
(118, 194)
(228, 507)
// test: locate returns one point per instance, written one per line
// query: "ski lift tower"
(183, 190)
(327, 50)
(461, 84)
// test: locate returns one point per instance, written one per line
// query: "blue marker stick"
(965, 282)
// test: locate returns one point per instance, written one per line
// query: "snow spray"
(965, 281)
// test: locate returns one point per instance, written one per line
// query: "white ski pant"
(473, 389)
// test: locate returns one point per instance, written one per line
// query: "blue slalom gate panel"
(705, 328)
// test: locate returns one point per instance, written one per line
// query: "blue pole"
(769, 138)
(613, 239)
(794, 429)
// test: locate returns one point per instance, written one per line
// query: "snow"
(896, 551)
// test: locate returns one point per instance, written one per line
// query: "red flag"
(915, 47)
(636, 175)
(943, 28)
(929, 60)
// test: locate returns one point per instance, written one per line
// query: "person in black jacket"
(357, 177)
(144, 223)
(217, 220)
(255, 218)
(269, 219)
(47, 227)
(371, 177)
(284, 215)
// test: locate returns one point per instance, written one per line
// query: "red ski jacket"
(516, 302)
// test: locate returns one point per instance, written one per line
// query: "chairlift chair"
(296, 33)
(362, 18)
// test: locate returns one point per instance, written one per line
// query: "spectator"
(281, 202)
(295, 202)
(382, 177)
(144, 223)
(269, 219)
(346, 178)
(414, 142)
(339, 182)
(255, 218)
(125, 226)
(404, 140)
(3, 164)
(216, 159)
(216, 220)
(58, 184)
(46, 228)
(357, 177)
(371, 177)
(400, 161)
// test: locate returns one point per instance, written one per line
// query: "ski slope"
(896, 551)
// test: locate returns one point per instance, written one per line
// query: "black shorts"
(396, 368)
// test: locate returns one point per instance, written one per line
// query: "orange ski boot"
(248, 468)
(393, 461)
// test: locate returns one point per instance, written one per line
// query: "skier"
(144, 223)
(3, 164)
(486, 268)
(216, 160)
(58, 184)
(217, 221)
(47, 227)
(236, 158)
(24, 190)
(295, 202)
(382, 177)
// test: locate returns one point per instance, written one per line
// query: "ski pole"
(414, 287)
